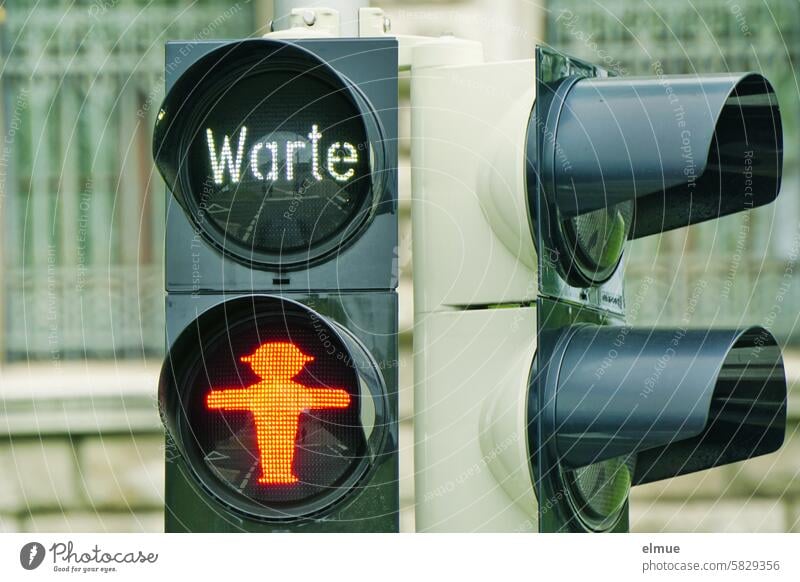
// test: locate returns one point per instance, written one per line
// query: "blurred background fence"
(81, 284)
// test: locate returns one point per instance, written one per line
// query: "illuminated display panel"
(274, 409)
(280, 163)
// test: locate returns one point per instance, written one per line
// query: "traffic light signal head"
(279, 390)
(615, 159)
(282, 157)
(249, 129)
(279, 411)
(528, 188)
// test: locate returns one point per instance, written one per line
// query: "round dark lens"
(599, 491)
(274, 409)
(596, 239)
(280, 163)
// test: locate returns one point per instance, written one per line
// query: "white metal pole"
(348, 12)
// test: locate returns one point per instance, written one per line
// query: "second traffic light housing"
(613, 159)
(530, 179)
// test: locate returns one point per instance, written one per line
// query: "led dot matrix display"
(276, 403)
(281, 163)
(275, 411)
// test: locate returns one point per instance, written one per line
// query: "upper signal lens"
(276, 158)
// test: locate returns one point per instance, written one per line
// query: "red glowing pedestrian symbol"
(276, 403)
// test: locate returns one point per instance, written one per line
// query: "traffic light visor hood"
(679, 400)
(685, 149)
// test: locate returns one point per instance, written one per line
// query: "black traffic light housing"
(366, 70)
(609, 160)
(231, 265)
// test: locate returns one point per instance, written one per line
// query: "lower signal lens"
(278, 418)
(598, 492)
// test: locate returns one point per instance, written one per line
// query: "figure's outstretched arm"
(328, 397)
(230, 399)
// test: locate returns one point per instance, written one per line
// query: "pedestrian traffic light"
(537, 406)
(279, 389)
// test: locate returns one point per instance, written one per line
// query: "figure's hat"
(271, 357)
